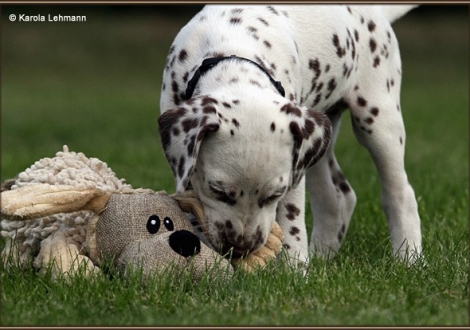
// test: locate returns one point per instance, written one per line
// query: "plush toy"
(72, 210)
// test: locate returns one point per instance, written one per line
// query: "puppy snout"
(185, 243)
(237, 244)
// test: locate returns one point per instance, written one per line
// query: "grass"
(95, 87)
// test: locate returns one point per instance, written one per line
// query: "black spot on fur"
(189, 123)
(356, 35)
(376, 61)
(209, 110)
(331, 87)
(191, 145)
(361, 102)
(207, 100)
(345, 70)
(341, 233)
(258, 237)
(289, 109)
(174, 86)
(181, 164)
(319, 87)
(235, 122)
(294, 230)
(183, 55)
(339, 50)
(272, 9)
(317, 100)
(267, 44)
(262, 20)
(372, 45)
(252, 31)
(235, 20)
(292, 211)
(167, 121)
(315, 66)
(254, 82)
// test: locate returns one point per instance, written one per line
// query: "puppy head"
(241, 157)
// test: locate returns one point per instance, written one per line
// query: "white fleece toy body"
(68, 168)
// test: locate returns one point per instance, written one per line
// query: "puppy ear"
(182, 130)
(40, 200)
(312, 133)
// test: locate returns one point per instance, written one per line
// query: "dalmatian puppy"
(251, 102)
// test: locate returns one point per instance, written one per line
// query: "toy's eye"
(168, 224)
(153, 224)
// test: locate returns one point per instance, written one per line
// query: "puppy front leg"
(291, 217)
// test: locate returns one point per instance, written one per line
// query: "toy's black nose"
(185, 243)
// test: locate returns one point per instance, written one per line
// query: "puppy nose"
(185, 243)
(237, 249)
(235, 252)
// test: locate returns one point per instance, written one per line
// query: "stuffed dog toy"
(70, 212)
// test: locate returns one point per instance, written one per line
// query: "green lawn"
(95, 87)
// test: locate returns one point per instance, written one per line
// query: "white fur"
(322, 55)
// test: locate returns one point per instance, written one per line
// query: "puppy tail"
(394, 12)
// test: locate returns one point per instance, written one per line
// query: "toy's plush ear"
(182, 130)
(36, 201)
(189, 203)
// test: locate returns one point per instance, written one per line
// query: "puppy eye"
(222, 195)
(153, 224)
(270, 199)
(168, 224)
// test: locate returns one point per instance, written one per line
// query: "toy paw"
(65, 259)
(266, 253)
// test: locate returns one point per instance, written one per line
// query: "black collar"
(209, 63)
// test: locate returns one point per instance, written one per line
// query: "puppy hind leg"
(378, 125)
(332, 201)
